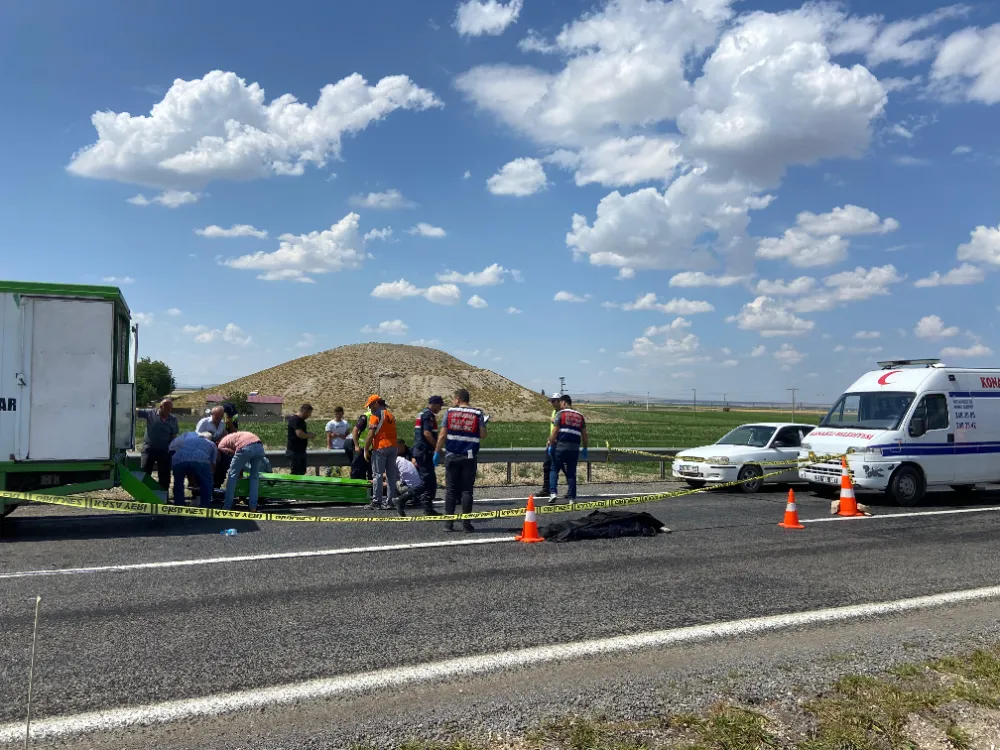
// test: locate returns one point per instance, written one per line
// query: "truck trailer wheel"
(907, 487)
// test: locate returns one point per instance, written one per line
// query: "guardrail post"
(510, 479)
(663, 469)
(589, 477)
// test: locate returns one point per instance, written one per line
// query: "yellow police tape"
(183, 511)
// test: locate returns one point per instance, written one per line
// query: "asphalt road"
(114, 638)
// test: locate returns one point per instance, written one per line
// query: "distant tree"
(241, 401)
(542, 391)
(153, 380)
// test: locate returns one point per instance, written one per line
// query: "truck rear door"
(70, 380)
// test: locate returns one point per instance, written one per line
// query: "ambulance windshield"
(880, 410)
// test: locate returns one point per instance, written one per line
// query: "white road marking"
(215, 705)
(254, 558)
(952, 512)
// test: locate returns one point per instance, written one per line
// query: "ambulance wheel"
(907, 486)
(750, 478)
(826, 492)
(694, 484)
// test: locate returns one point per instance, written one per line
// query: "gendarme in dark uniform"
(425, 437)
(462, 431)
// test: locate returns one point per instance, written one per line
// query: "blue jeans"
(564, 458)
(252, 456)
(201, 470)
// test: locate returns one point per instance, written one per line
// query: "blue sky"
(738, 197)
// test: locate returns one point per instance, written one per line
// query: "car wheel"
(907, 487)
(694, 483)
(750, 478)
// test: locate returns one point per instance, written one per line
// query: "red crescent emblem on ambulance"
(884, 380)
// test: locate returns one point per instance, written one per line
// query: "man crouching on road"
(193, 454)
(462, 432)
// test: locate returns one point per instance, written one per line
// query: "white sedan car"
(741, 453)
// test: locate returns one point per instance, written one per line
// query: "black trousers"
(546, 470)
(298, 462)
(425, 469)
(360, 468)
(161, 460)
(459, 480)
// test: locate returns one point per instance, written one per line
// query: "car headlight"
(871, 450)
(721, 460)
(854, 449)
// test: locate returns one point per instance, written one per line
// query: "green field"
(620, 426)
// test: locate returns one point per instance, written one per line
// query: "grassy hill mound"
(347, 375)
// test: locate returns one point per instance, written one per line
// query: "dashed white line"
(253, 558)
(215, 705)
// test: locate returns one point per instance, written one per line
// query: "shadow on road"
(101, 526)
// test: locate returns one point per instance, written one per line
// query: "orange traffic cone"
(848, 503)
(791, 514)
(530, 532)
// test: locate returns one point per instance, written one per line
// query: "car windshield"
(879, 410)
(756, 435)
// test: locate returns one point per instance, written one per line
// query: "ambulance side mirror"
(918, 427)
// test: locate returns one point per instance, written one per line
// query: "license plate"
(689, 471)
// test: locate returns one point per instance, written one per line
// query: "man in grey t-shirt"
(161, 429)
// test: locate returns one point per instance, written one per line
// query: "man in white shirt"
(337, 430)
(214, 423)
(411, 484)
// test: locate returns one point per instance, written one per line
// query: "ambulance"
(908, 427)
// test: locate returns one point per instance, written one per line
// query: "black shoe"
(399, 509)
(449, 526)
(569, 498)
(467, 527)
(429, 511)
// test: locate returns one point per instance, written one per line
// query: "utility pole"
(793, 390)
(694, 399)
(647, 400)
(562, 384)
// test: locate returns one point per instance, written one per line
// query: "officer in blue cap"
(425, 438)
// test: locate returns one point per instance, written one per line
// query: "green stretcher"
(308, 489)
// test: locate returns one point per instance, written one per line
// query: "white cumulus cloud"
(174, 312)
(963, 275)
(118, 280)
(299, 257)
(781, 288)
(680, 306)
(788, 356)
(422, 229)
(967, 65)
(236, 230)
(477, 302)
(218, 127)
(982, 247)
(385, 201)
(976, 350)
(378, 234)
(849, 286)
(478, 17)
(692, 279)
(867, 335)
(674, 325)
(758, 351)
(490, 276)
(231, 334)
(513, 311)
(770, 319)
(519, 178)
(388, 328)
(439, 294)
(932, 327)
(168, 198)
(564, 296)
(820, 239)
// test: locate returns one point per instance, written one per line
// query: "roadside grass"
(952, 702)
(627, 427)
